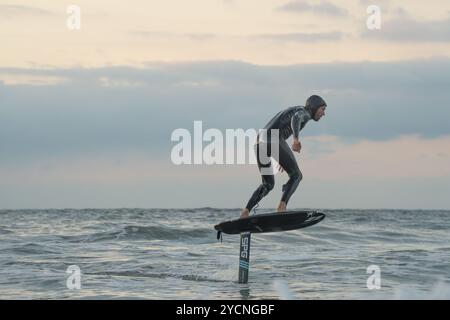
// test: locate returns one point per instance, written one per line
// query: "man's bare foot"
(281, 207)
(245, 213)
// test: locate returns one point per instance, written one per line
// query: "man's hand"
(280, 168)
(296, 145)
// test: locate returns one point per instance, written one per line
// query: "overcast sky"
(86, 115)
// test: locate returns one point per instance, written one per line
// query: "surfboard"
(267, 222)
(271, 222)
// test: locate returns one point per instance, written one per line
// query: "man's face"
(319, 113)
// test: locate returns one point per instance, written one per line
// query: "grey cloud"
(405, 29)
(150, 33)
(366, 101)
(400, 12)
(16, 10)
(279, 37)
(303, 37)
(201, 36)
(324, 7)
(167, 35)
(374, 2)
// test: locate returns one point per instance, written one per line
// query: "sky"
(86, 115)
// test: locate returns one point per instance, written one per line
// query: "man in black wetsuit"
(288, 122)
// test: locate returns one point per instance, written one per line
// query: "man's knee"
(268, 186)
(297, 176)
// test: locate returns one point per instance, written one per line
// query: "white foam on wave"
(224, 269)
(439, 291)
(283, 290)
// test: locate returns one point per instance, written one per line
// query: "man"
(288, 122)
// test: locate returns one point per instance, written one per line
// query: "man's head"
(316, 106)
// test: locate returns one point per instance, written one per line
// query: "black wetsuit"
(288, 122)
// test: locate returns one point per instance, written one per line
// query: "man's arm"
(296, 122)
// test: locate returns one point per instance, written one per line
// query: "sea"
(161, 254)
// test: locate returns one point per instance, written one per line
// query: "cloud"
(30, 79)
(108, 82)
(406, 29)
(166, 35)
(408, 172)
(8, 11)
(402, 157)
(125, 108)
(278, 37)
(372, 2)
(201, 36)
(303, 37)
(323, 8)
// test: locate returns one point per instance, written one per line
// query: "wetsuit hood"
(313, 103)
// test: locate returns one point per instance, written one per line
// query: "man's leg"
(268, 181)
(282, 206)
(289, 164)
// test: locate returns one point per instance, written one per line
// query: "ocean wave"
(439, 291)
(5, 231)
(30, 249)
(141, 274)
(133, 232)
